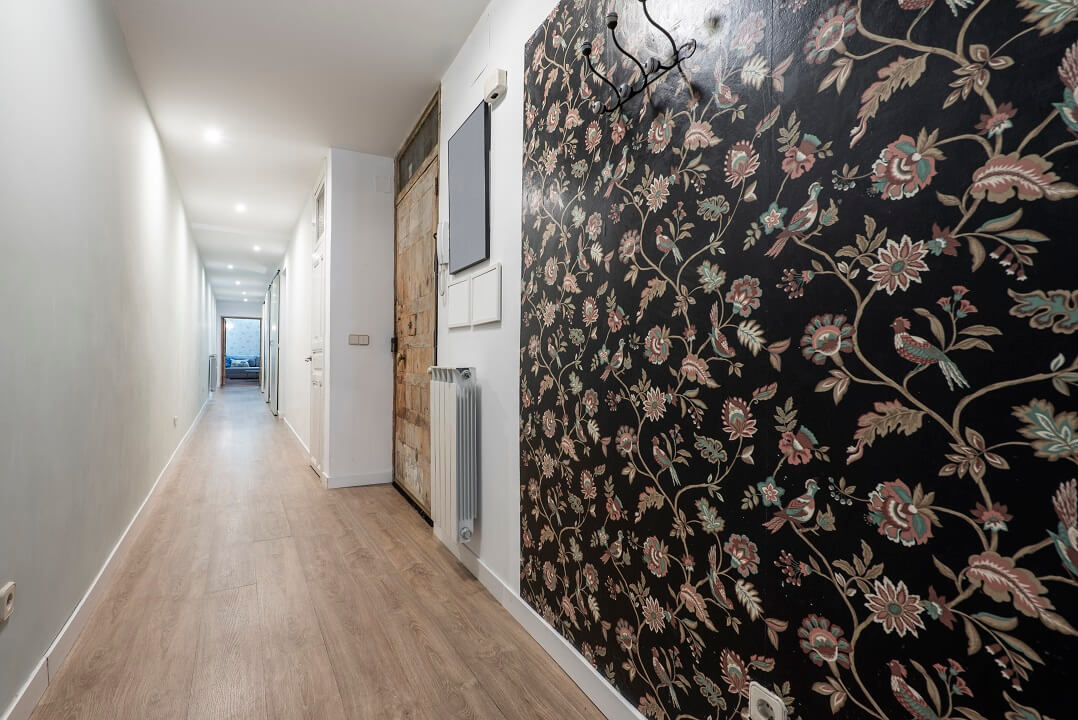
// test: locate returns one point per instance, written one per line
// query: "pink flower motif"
(824, 642)
(800, 159)
(738, 421)
(902, 170)
(553, 118)
(899, 264)
(894, 607)
(661, 132)
(743, 555)
(797, 447)
(589, 311)
(744, 295)
(700, 135)
(695, 369)
(901, 516)
(657, 345)
(831, 28)
(593, 136)
(734, 672)
(742, 162)
(657, 556)
(625, 441)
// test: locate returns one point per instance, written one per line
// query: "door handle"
(308, 359)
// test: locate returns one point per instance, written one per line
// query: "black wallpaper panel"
(798, 356)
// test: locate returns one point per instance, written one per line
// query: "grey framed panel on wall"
(469, 191)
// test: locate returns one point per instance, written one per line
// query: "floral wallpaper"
(244, 338)
(798, 356)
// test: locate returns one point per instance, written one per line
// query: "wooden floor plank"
(299, 678)
(228, 682)
(249, 591)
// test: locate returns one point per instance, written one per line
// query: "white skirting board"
(306, 450)
(608, 700)
(27, 698)
(336, 482)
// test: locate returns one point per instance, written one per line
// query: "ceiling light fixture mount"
(213, 135)
(241, 208)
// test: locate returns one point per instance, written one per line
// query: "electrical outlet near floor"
(764, 704)
(7, 601)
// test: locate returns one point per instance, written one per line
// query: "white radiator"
(213, 373)
(454, 453)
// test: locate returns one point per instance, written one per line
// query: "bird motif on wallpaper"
(663, 459)
(800, 223)
(907, 697)
(666, 244)
(1065, 503)
(923, 353)
(612, 174)
(617, 360)
(719, 343)
(799, 510)
(665, 676)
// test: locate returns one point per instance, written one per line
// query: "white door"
(273, 335)
(318, 360)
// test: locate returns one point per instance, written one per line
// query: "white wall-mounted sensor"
(496, 85)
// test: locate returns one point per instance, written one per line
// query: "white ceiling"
(283, 80)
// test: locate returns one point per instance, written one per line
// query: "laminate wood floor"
(251, 592)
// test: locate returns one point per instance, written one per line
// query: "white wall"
(494, 349)
(106, 312)
(295, 385)
(359, 393)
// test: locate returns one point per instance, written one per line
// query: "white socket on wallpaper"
(764, 704)
(7, 601)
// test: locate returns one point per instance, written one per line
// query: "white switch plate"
(764, 704)
(7, 601)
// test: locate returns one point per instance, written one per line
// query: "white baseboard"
(336, 482)
(306, 450)
(607, 699)
(27, 698)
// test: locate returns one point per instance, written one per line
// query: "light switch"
(359, 339)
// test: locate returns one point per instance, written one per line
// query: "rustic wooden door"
(415, 330)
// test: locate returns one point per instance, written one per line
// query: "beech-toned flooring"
(251, 592)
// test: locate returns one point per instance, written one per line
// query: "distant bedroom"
(242, 351)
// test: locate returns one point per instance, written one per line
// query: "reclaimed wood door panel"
(415, 329)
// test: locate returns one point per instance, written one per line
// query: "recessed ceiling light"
(237, 282)
(231, 267)
(241, 208)
(244, 292)
(213, 135)
(245, 299)
(258, 248)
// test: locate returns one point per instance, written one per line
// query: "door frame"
(224, 344)
(317, 454)
(434, 155)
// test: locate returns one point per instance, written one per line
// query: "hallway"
(251, 592)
